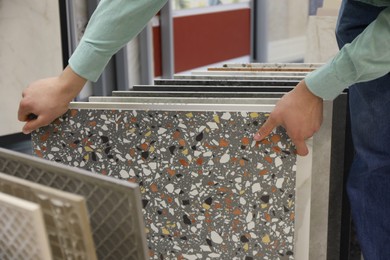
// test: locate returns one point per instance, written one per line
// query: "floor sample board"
(65, 214)
(208, 189)
(226, 83)
(114, 206)
(22, 230)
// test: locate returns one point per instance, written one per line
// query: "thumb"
(32, 125)
(265, 130)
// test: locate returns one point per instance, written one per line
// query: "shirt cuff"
(323, 82)
(93, 68)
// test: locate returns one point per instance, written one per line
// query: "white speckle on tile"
(226, 116)
(124, 174)
(161, 130)
(256, 187)
(278, 161)
(170, 188)
(225, 158)
(279, 183)
(212, 125)
(216, 238)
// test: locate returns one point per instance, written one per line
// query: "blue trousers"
(368, 183)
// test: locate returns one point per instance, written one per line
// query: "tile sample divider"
(65, 214)
(114, 206)
(22, 230)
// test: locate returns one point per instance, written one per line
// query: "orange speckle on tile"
(233, 159)
(265, 142)
(217, 205)
(45, 136)
(176, 134)
(268, 159)
(73, 112)
(275, 138)
(267, 217)
(170, 200)
(292, 216)
(242, 162)
(153, 187)
(132, 152)
(43, 148)
(144, 146)
(210, 183)
(263, 172)
(183, 162)
(277, 149)
(223, 189)
(38, 153)
(182, 142)
(171, 172)
(199, 161)
(92, 123)
(274, 189)
(223, 142)
(245, 141)
(237, 212)
(133, 120)
(57, 121)
(73, 145)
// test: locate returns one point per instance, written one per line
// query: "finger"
(32, 125)
(265, 130)
(301, 147)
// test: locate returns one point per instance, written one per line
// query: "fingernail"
(257, 137)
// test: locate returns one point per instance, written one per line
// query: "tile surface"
(65, 214)
(208, 190)
(22, 230)
(114, 206)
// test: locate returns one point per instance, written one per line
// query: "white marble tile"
(30, 48)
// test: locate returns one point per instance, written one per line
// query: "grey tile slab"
(209, 75)
(22, 230)
(185, 100)
(225, 83)
(114, 206)
(253, 73)
(65, 214)
(208, 189)
(177, 94)
(211, 88)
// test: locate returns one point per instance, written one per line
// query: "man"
(363, 34)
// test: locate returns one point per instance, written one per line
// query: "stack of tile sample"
(208, 190)
(85, 216)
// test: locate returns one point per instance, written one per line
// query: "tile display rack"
(317, 188)
(22, 230)
(66, 217)
(114, 206)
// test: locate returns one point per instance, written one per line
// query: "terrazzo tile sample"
(22, 230)
(208, 190)
(65, 217)
(114, 206)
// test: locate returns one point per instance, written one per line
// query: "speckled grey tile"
(208, 189)
(65, 214)
(114, 206)
(212, 88)
(22, 230)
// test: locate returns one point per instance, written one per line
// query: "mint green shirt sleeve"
(113, 24)
(366, 58)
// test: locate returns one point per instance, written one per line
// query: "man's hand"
(46, 99)
(300, 113)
